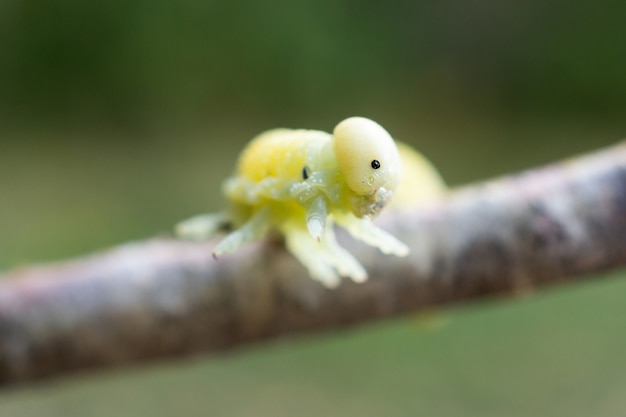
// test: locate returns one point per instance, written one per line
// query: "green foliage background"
(119, 118)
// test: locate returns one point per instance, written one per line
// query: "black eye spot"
(375, 164)
(305, 172)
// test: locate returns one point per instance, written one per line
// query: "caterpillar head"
(369, 162)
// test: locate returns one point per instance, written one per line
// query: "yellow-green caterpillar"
(300, 183)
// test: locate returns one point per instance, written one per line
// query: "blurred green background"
(119, 118)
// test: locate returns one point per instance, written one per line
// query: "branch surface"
(163, 297)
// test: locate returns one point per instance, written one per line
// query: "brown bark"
(163, 297)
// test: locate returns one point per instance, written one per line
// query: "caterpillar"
(302, 182)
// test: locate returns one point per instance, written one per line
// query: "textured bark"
(164, 297)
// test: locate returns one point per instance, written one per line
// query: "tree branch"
(163, 297)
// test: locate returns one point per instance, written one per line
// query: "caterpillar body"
(302, 182)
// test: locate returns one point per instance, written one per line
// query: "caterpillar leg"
(310, 254)
(341, 259)
(324, 259)
(255, 228)
(202, 226)
(365, 230)
(316, 215)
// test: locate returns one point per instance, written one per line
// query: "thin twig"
(163, 297)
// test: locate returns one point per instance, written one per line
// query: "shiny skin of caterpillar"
(300, 183)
